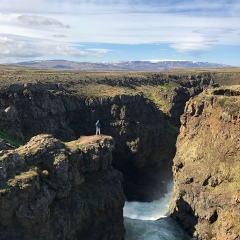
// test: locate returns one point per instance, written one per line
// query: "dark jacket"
(98, 124)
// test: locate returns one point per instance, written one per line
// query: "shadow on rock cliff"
(145, 144)
(55, 190)
(184, 215)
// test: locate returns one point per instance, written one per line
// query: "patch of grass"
(230, 105)
(102, 90)
(230, 179)
(222, 102)
(167, 85)
(157, 94)
(22, 178)
(74, 147)
(81, 147)
(157, 86)
(10, 140)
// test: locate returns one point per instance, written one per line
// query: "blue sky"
(117, 30)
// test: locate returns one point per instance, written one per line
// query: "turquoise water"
(162, 229)
(147, 221)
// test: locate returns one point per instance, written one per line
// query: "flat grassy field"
(112, 83)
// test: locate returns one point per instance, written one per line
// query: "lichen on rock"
(206, 167)
(54, 190)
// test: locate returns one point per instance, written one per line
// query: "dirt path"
(87, 139)
(84, 140)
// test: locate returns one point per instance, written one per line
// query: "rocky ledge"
(55, 190)
(206, 195)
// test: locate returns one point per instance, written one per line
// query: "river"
(147, 221)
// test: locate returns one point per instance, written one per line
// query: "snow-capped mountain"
(147, 65)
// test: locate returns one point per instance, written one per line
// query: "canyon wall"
(139, 120)
(206, 194)
(134, 122)
(51, 188)
(56, 190)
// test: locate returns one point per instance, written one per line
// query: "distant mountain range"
(119, 66)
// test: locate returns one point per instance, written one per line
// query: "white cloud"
(214, 31)
(41, 20)
(25, 50)
(193, 48)
(11, 48)
(100, 50)
(188, 26)
(59, 35)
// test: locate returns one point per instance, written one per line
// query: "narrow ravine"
(147, 221)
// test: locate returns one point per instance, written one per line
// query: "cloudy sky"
(117, 30)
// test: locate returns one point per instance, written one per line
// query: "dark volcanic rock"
(52, 190)
(144, 147)
(205, 199)
(4, 146)
(135, 123)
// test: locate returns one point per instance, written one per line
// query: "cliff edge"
(140, 110)
(55, 190)
(206, 195)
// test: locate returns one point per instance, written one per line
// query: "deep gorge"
(143, 121)
(139, 126)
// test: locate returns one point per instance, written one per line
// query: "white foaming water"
(148, 210)
(140, 220)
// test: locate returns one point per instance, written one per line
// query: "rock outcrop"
(206, 194)
(135, 121)
(55, 190)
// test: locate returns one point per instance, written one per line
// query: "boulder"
(55, 190)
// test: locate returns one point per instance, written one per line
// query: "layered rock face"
(144, 150)
(56, 190)
(206, 194)
(135, 122)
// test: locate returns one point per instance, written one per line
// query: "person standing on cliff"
(98, 126)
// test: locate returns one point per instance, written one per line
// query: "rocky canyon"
(58, 181)
(206, 194)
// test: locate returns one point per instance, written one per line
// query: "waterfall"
(148, 210)
(147, 220)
